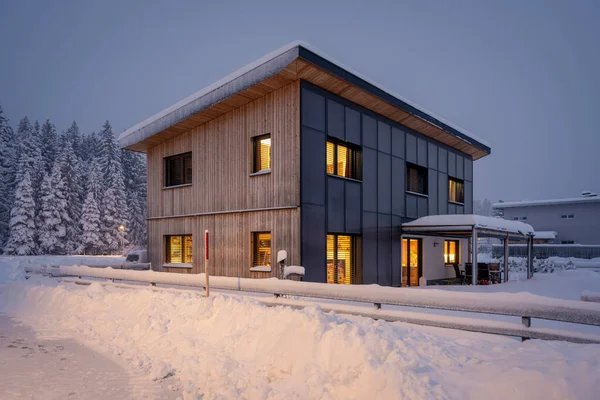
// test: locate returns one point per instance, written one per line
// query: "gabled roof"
(294, 61)
(548, 202)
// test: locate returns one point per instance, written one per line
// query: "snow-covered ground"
(231, 346)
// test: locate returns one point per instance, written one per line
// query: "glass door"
(412, 268)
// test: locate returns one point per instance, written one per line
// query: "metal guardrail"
(494, 303)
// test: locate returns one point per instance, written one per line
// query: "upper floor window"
(416, 179)
(262, 249)
(456, 190)
(520, 218)
(262, 153)
(178, 170)
(344, 161)
(568, 216)
(179, 249)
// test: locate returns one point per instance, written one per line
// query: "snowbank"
(11, 269)
(231, 347)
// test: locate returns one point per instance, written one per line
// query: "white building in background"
(572, 220)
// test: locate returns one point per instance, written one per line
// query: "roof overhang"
(278, 69)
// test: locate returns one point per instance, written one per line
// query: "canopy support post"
(474, 256)
(530, 257)
(506, 259)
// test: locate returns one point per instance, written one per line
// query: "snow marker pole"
(206, 260)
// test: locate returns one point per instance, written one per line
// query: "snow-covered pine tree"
(114, 209)
(21, 225)
(94, 181)
(48, 220)
(71, 175)
(60, 209)
(74, 136)
(91, 241)
(29, 156)
(89, 147)
(136, 232)
(49, 145)
(110, 223)
(8, 170)
(134, 171)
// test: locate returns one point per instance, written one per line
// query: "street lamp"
(122, 230)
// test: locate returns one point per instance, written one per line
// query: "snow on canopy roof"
(470, 220)
(177, 107)
(548, 202)
(544, 235)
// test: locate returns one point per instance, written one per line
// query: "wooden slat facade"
(222, 181)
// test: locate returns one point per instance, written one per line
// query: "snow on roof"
(268, 57)
(548, 202)
(544, 235)
(471, 220)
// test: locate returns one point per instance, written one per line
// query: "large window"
(179, 249)
(262, 153)
(262, 249)
(456, 190)
(178, 170)
(343, 259)
(416, 179)
(344, 161)
(451, 252)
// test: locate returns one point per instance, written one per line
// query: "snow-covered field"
(231, 346)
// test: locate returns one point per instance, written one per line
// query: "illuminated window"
(262, 249)
(411, 262)
(456, 190)
(451, 252)
(343, 259)
(262, 153)
(178, 170)
(344, 161)
(179, 249)
(416, 179)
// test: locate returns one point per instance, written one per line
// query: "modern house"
(297, 152)
(571, 220)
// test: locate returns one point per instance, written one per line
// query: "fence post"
(526, 321)
(506, 258)
(474, 256)
(206, 261)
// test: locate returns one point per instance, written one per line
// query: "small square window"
(262, 249)
(179, 249)
(416, 179)
(262, 153)
(456, 190)
(178, 170)
(343, 160)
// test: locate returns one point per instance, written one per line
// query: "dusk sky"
(523, 75)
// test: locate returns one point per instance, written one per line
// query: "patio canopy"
(472, 226)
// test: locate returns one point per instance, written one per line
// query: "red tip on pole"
(206, 244)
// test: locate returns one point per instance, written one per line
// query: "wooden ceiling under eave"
(302, 69)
